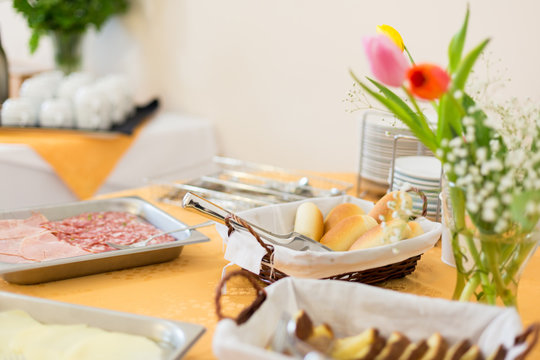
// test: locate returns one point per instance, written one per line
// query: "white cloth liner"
(245, 251)
(332, 301)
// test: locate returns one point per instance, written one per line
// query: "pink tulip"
(388, 64)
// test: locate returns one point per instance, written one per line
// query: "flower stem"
(408, 54)
(469, 288)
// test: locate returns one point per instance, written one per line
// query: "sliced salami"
(90, 231)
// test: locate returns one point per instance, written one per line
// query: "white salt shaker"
(56, 113)
(18, 112)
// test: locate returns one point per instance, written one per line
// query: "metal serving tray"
(174, 337)
(58, 269)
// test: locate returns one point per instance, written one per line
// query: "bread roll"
(382, 234)
(414, 230)
(343, 234)
(339, 213)
(396, 204)
(309, 221)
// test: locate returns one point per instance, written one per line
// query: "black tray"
(127, 127)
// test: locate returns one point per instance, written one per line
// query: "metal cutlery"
(144, 242)
(292, 240)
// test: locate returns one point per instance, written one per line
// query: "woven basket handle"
(422, 196)
(532, 334)
(229, 223)
(248, 311)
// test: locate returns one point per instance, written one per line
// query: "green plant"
(69, 16)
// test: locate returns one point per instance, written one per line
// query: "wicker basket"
(268, 274)
(527, 339)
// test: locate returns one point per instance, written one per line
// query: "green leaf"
(455, 49)
(426, 138)
(449, 125)
(466, 65)
(33, 43)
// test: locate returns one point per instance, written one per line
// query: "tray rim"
(191, 332)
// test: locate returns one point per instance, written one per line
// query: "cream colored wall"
(272, 75)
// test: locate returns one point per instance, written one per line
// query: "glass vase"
(489, 265)
(67, 50)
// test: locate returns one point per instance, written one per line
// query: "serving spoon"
(144, 242)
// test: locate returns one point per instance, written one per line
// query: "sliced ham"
(24, 240)
(45, 246)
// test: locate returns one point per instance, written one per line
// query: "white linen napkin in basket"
(350, 308)
(245, 251)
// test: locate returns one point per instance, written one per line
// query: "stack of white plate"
(377, 141)
(423, 173)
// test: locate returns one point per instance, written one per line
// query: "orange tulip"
(428, 81)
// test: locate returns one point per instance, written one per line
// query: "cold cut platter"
(69, 240)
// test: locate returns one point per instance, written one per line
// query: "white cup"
(56, 113)
(19, 112)
(119, 95)
(92, 109)
(72, 83)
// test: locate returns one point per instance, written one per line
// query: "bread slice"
(304, 325)
(322, 338)
(414, 351)
(364, 346)
(394, 347)
(498, 354)
(457, 350)
(437, 347)
(473, 353)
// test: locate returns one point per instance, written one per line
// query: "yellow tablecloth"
(82, 160)
(184, 289)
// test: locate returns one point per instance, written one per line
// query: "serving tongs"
(292, 240)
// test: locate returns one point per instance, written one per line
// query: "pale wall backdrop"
(273, 75)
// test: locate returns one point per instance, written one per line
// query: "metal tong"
(292, 240)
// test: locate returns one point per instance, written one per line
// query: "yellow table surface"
(184, 289)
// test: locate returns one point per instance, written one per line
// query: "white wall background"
(272, 75)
